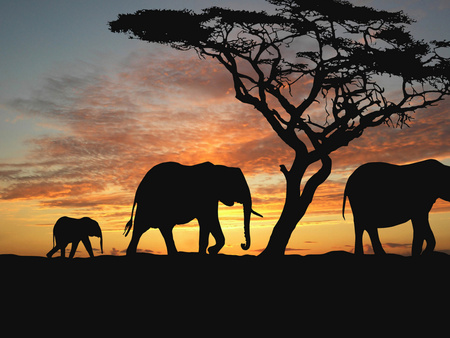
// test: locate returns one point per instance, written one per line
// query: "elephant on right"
(384, 195)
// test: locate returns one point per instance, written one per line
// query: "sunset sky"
(85, 113)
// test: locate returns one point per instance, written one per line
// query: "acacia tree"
(316, 70)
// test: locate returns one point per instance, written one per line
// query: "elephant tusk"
(254, 212)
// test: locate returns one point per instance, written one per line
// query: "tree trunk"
(296, 204)
(292, 213)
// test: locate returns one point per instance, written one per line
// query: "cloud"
(145, 251)
(114, 128)
(398, 245)
(296, 249)
(428, 137)
(105, 128)
(114, 252)
(368, 250)
(117, 252)
(89, 201)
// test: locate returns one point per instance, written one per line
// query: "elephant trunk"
(244, 196)
(247, 213)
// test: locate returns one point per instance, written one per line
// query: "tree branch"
(317, 179)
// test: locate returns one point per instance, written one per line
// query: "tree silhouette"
(316, 70)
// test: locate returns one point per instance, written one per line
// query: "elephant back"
(170, 185)
(379, 189)
(66, 229)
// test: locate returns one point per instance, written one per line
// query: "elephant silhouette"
(384, 195)
(71, 230)
(172, 193)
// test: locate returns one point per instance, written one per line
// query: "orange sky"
(103, 133)
(80, 142)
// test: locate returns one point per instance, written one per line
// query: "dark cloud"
(114, 252)
(398, 245)
(398, 248)
(146, 251)
(368, 250)
(8, 175)
(296, 249)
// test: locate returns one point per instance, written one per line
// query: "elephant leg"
(166, 231)
(431, 241)
(204, 238)
(418, 236)
(52, 251)
(132, 247)
(417, 243)
(63, 250)
(359, 231)
(422, 231)
(88, 246)
(217, 233)
(74, 249)
(376, 244)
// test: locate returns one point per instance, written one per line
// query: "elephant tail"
(130, 222)
(343, 203)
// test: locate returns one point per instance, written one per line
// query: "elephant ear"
(95, 229)
(224, 184)
(227, 202)
(224, 195)
(233, 187)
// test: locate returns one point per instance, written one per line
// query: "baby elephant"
(71, 230)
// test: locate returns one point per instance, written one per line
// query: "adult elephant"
(383, 195)
(171, 193)
(72, 230)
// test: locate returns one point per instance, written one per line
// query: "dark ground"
(317, 293)
(337, 268)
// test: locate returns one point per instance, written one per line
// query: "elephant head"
(93, 229)
(234, 188)
(442, 177)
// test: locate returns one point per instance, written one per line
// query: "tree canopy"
(316, 70)
(341, 47)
